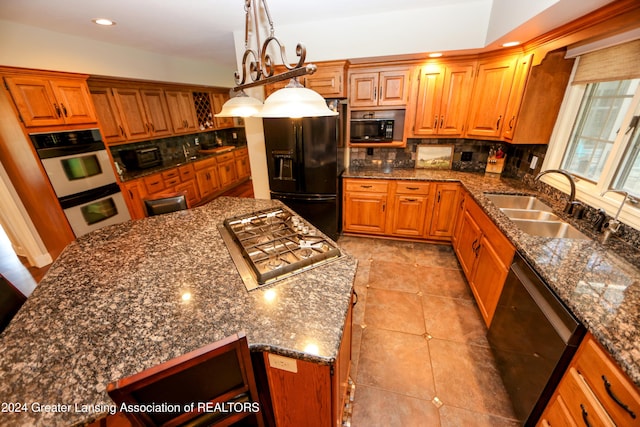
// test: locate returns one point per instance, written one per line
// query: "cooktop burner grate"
(275, 243)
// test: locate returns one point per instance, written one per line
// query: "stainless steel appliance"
(371, 130)
(533, 338)
(305, 158)
(82, 177)
(272, 244)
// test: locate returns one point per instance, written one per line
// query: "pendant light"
(291, 101)
(295, 101)
(241, 105)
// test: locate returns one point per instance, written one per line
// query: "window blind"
(619, 62)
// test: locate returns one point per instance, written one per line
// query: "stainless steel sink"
(531, 214)
(552, 229)
(534, 217)
(513, 201)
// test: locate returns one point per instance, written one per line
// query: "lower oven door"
(94, 209)
(78, 172)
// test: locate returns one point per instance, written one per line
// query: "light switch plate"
(284, 363)
(534, 162)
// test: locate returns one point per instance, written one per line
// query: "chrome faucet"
(573, 207)
(613, 226)
(185, 151)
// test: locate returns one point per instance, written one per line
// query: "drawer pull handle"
(585, 415)
(366, 186)
(411, 200)
(607, 386)
(413, 188)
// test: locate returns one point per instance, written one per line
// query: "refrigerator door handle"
(300, 181)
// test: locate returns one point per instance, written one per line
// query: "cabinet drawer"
(367, 185)
(580, 403)
(205, 164)
(503, 248)
(413, 187)
(154, 183)
(187, 172)
(241, 152)
(596, 366)
(224, 157)
(171, 181)
(170, 174)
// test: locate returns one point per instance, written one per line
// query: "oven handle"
(49, 153)
(88, 196)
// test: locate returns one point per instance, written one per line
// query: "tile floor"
(420, 356)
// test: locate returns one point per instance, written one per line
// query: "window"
(596, 137)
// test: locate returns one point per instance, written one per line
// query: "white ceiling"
(203, 29)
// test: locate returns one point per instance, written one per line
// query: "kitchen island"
(131, 296)
(600, 284)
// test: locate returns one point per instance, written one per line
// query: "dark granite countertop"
(170, 164)
(595, 282)
(111, 305)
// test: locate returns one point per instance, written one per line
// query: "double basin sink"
(534, 217)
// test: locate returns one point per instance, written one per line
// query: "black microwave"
(140, 158)
(371, 130)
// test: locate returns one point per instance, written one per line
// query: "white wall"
(31, 47)
(506, 15)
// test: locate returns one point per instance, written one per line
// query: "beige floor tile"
(444, 282)
(379, 408)
(395, 361)
(394, 310)
(356, 340)
(454, 319)
(457, 417)
(394, 276)
(393, 251)
(435, 256)
(359, 247)
(466, 377)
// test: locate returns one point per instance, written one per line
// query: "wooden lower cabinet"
(308, 394)
(226, 169)
(400, 208)
(207, 177)
(485, 255)
(365, 206)
(133, 192)
(593, 391)
(243, 168)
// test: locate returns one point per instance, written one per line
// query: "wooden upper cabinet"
(438, 104)
(490, 97)
(218, 100)
(328, 80)
(542, 98)
(182, 111)
(379, 87)
(43, 101)
(132, 112)
(157, 112)
(108, 115)
(515, 97)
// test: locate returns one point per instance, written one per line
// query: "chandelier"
(294, 100)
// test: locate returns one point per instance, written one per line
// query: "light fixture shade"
(241, 105)
(295, 101)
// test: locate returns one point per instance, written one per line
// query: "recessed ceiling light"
(103, 21)
(435, 55)
(510, 44)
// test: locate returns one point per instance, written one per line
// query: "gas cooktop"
(272, 244)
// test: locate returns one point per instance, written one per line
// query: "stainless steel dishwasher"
(533, 337)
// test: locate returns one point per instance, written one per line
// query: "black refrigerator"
(305, 161)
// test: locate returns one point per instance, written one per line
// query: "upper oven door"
(75, 173)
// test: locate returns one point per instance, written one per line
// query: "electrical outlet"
(284, 363)
(534, 162)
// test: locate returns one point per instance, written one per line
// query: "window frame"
(586, 191)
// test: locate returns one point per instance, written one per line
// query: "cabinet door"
(340, 378)
(556, 414)
(490, 97)
(456, 91)
(226, 169)
(408, 216)
(218, 101)
(455, 238)
(131, 107)
(207, 181)
(181, 111)
(191, 192)
(487, 279)
(363, 89)
(75, 101)
(133, 193)
(328, 82)
(35, 101)
(365, 212)
(429, 96)
(108, 115)
(242, 167)
(515, 97)
(469, 239)
(156, 111)
(444, 211)
(394, 87)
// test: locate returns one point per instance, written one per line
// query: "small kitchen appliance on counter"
(272, 244)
